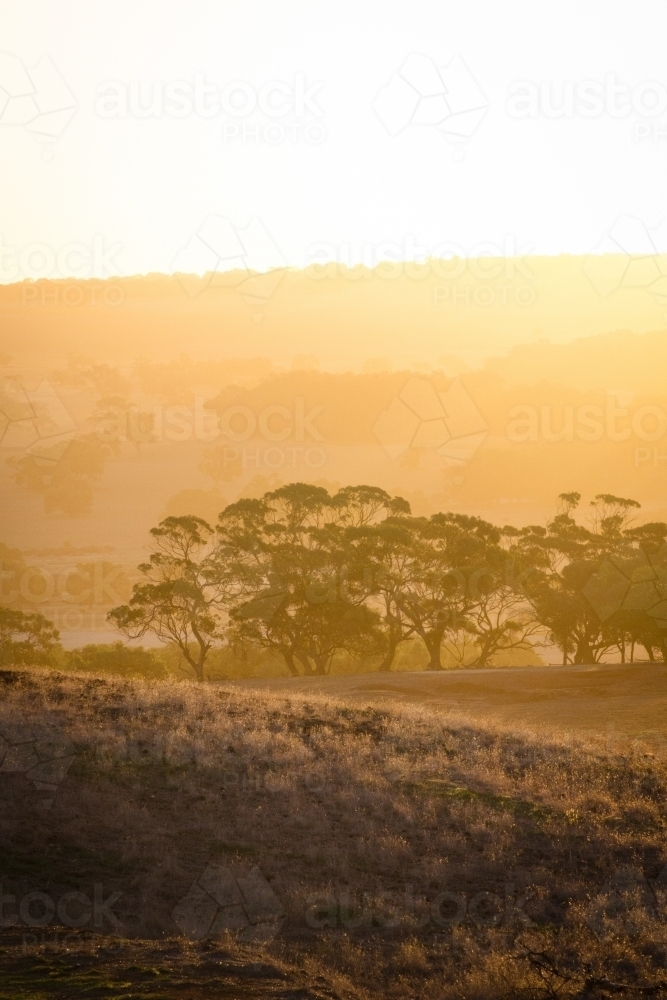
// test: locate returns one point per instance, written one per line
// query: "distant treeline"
(549, 412)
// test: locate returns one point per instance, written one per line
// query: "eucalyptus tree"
(292, 551)
(26, 637)
(432, 565)
(575, 598)
(184, 597)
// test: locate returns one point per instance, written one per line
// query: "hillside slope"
(353, 849)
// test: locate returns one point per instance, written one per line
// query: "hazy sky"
(147, 136)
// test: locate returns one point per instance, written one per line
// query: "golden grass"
(616, 703)
(415, 853)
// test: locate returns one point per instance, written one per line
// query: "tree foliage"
(309, 575)
(26, 638)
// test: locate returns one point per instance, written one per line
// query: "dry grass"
(618, 703)
(360, 817)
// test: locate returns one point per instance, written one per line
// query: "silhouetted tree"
(309, 575)
(26, 638)
(185, 593)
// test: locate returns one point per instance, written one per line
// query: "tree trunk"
(433, 643)
(200, 666)
(321, 660)
(305, 663)
(385, 666)
(393, 641)
(288, 657)
(485, 653)
(203, 653)
(584, 653)
(196, 665)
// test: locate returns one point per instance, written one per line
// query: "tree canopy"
(309, 575)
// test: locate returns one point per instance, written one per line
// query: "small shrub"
(115, 658)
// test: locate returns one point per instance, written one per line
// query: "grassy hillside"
(616, 705)
(315, 845)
